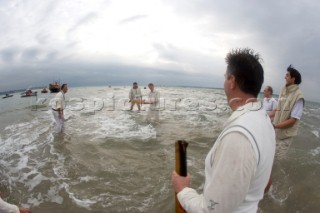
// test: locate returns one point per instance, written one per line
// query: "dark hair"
(63, 85)
(135, 83)
(245, 65)
(150, 84)
(294, 74)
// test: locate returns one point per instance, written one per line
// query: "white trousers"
(59, 121)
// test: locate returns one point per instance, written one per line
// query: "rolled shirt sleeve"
(297, 109)
(227, 180)
(7, 207)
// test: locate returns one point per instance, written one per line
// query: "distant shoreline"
(180, 86)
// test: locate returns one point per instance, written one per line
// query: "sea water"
(110, 159)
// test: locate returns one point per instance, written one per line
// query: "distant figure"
(135, 96)
(238, 166)
(269, 103)
(10, 208)
(58, 107)
(153, 100)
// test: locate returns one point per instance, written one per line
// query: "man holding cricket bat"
(238, 166)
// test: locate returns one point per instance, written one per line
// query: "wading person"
(58, 106)
(238, 166)
(135, 96)
(153, 100)
(288, 112)
(287, 115)
(269, 103)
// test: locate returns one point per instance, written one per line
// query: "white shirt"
(135, 94)
(59, 101)
(238, 166)
(269, 104)
(7, 207)
(154, 98)
(297, 109)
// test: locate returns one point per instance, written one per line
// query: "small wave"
(315, 152)
(88, 178)
(85, 203)
(316, 133)
(279, 195)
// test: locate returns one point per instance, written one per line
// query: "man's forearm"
(285, 124)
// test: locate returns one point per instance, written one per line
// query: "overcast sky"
(168, 42)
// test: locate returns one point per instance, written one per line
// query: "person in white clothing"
(10, 208)
(153, 97)
(238, 166)
(58, 106)
(154, 101)
(135, 96)
(269, 103)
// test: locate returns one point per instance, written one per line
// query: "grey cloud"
(186, 58)
(132, 19)
(167, 52)
(30, 54)
(42, 38)
(9, 55)
(84, 20)
(284, 32)
(86, 74)
(48, 9)
(264, 17)
(16, 56)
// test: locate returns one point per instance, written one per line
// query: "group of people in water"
(239, 165)
(135, 97)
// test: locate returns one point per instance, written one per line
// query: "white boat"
(28, 93)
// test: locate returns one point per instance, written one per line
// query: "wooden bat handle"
(181, 166)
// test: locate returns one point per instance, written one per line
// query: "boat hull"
(28, 95)
(8, 96)
(54, 88)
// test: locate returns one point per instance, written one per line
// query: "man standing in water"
(238, 166)
(269, 103)
(288, 112)
(287, 116)
(135, 96)
(58, 107)
(153, 100)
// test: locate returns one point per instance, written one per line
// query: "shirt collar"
(251, 106)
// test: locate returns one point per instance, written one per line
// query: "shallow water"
(109, 159)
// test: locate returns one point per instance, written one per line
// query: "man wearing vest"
(287, 115)
(238, 166)
(288, 112)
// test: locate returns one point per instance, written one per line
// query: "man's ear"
(233, 82)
